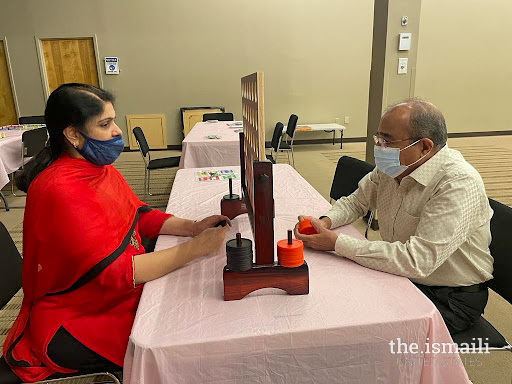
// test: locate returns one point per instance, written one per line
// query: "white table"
(10, 154)
(184, 332)
(328, 127)
(198, 151)
(10, 157)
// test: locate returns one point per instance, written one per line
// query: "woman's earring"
(75, 145)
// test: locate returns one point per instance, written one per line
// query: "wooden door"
(69, 61)
(7, 109)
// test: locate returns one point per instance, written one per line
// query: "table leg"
(5, 201)
(341, 140)
(333, 135)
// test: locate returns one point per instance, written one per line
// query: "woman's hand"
(210, 222)
(211, 239)
(150, 266)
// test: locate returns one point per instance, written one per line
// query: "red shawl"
(78, 243)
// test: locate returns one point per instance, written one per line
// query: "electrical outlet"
(402, 66)
(347, 119)
(337, 120)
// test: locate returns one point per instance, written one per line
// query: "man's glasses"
(384, 143)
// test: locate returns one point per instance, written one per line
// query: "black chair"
(349, 172)
(10, 284)
(150, 165)
(287, 146)
(6, 204)
(33, 141)
(31, 120)
(501, 223)
(226, 116)
(276, 140)
(10, 267)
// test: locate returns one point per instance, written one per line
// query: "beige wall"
(386, 85)
(465, 62)
(315, 55)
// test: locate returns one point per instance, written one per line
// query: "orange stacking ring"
(290, 252)
(306, 228)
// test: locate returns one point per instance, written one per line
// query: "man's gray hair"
(425, 121)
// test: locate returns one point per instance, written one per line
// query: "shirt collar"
(426, 171)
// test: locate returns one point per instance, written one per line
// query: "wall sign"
(111, 66)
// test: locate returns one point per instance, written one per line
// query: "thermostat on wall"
(404, 43)
(111, 66)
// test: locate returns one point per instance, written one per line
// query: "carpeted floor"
(161, 181)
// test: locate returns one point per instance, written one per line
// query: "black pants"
(67, 352)
(459, 306)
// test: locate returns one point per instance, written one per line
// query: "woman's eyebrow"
(106, 119)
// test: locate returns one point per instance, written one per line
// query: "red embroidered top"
(82, 226)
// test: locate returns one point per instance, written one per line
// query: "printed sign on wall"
(111, 66)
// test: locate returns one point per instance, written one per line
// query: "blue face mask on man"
(101, 152)
(387, 159)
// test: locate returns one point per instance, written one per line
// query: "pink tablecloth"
(10, 154)
(185, 333)
(198, 151)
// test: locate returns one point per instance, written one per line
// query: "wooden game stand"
(237, 285)
(231, 205)
(265, 273)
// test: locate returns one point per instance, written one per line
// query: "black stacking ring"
(239, 254)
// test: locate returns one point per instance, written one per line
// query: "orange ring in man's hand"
(306, 228)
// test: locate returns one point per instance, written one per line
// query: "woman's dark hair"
(70, 104)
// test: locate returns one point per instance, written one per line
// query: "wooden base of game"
(237, 285)
(232, 207)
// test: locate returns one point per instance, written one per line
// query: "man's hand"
(209, 222)
(325, 240)
(325, 221)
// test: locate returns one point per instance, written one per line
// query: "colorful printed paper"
(208, 175)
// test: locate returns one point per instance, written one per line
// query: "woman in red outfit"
(84, 264)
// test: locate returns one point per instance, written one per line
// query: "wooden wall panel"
(70, 61)
(7, 108)
(193, 116)
(153, 126)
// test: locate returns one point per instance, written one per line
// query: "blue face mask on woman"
(101, 152)
(387, 159)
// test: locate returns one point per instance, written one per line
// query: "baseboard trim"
(329, 141)
(479, 134)
(169, 147)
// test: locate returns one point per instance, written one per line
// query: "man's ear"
(72, 135)
(427, 145)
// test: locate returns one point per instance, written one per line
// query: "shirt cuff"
(348, 246)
